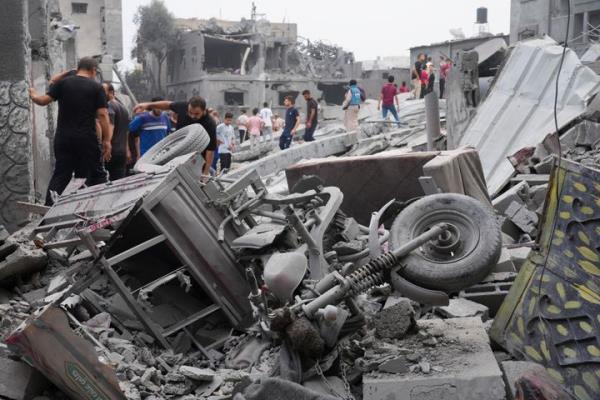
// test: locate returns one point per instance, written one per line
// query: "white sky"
(368, 28)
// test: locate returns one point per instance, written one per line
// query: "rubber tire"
(184, 141)
(451, 275)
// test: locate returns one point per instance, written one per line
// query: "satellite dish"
(457, 33)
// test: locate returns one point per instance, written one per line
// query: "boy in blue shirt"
(292, 121)
(149, 128)
(226, 141)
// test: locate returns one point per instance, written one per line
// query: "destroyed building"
(471, 273)
(549, 17)
(243, 64)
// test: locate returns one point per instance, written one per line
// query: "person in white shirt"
(226, 141)
(266, 115)
(242, 124)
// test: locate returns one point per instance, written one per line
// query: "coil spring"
(371, 274)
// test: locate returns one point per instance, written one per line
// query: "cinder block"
(466, 375)
(491, 292)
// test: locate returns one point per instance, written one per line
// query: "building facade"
(240, 65)
(530, 18)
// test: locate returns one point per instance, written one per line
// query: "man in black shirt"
(188, 113)
(416, 75)
(119, 119)
(312, 108)
(81, 100)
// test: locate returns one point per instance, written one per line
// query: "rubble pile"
(291, 279)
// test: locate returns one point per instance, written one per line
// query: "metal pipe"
(124, 83)
(372, 271)
(420, 240)
(432, 112)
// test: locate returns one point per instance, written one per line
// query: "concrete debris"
(463, 367)
(289, 276)
(463, 308)
(19, 381)
(396, 318)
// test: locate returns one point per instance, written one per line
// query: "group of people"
(423, 75)
(96, 138)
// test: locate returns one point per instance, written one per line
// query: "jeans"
(215, 159)
(442, 88)
(391, 109)
(80, 155)
(285, 140)
(309, 133)
(242, 135)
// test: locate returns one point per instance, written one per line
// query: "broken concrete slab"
(19, 381)
(471, 374)
(522, 217)
(197, 374)
(22, 261)
(513, 370)
(35, 295)
(463, 308)
(518, 193)
(397, 365)
(395, 319)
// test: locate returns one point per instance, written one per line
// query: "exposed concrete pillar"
(16, 165)
(432, 112)
(284, 58)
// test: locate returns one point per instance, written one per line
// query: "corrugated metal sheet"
(519, 110)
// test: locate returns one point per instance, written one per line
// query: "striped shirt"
(150, 129)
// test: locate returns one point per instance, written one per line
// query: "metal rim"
(455, 244)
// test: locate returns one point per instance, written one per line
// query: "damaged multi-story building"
(40, 38)
(549, 17)
(242, 64)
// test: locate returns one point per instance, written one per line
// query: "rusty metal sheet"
(518, 112)
(46, 342)
(552, 313)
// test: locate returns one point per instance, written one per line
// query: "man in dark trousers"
(81, 100)
(119, 120)
(312, 108)
(188, 113)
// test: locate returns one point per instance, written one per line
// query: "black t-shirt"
(312, 105)
(78, 100)
(119, 117)
(183, 119)
(418, 69)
